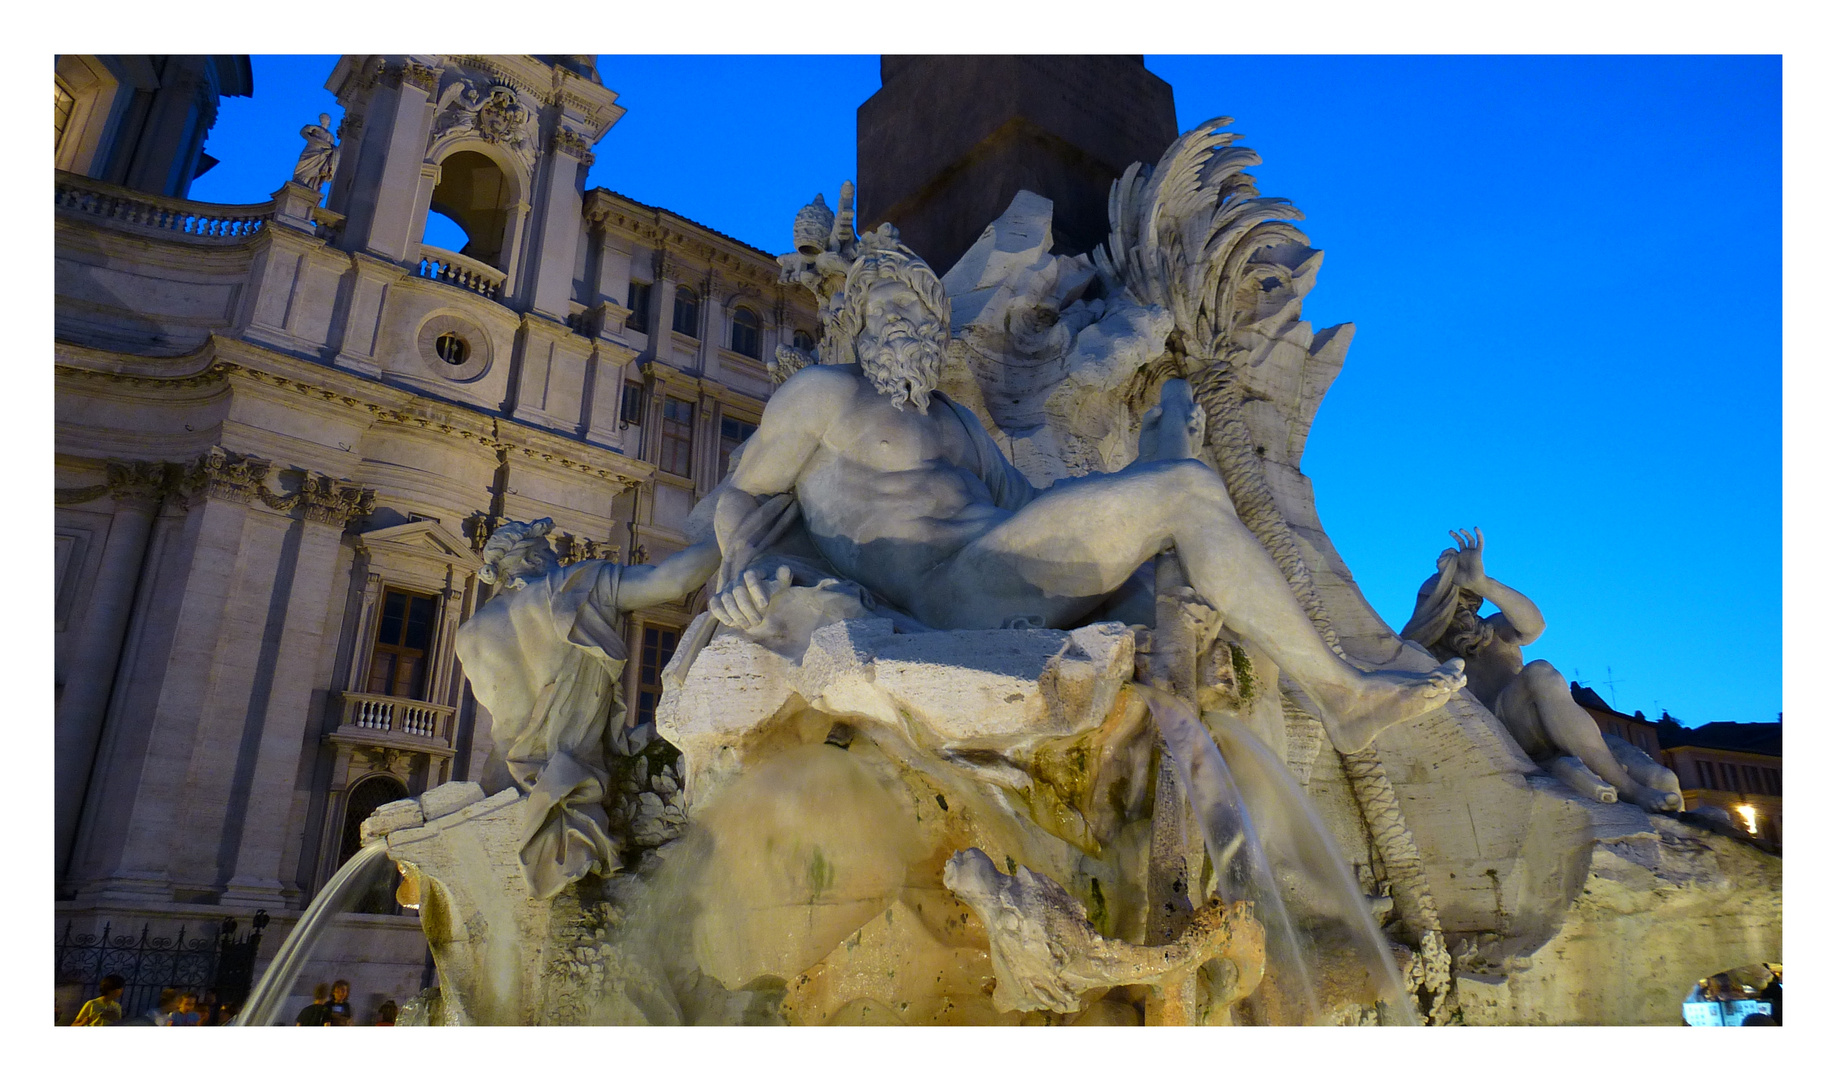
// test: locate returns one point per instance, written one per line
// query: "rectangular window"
(678, 436)
(688, 313)
(733, 432)
(1705, 772)
(1751, 776)
(631, 406)
(1778, 781)
(659, 646)
(65, 102)
(1728, 780)
(404, 632)
(637, 298)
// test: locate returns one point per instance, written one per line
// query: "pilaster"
(558, 205)
(280, 731)
(366, 288)
(551, 374)
(137, 488)
(132, 810)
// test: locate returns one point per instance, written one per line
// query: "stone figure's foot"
(1582, 779)
(1655, 801)
(1382, 699)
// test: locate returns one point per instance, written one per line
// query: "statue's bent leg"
(1571, 729)
(1060, 555)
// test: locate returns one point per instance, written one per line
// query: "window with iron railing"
(678, 433)
(404, 633)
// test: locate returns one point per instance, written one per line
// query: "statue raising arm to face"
(1531, 700)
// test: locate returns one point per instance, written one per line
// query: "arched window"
(360, 802)
(476, 195)
(688, 312)
(443, 232)
(746, 333)
(803, 341)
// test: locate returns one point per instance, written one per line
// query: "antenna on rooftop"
(1610, 688)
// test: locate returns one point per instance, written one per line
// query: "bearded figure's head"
(1467, 633)
(895, 319)
(517, 553)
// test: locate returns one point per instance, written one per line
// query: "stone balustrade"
(438, 264)
(207, 222)
(380, 714)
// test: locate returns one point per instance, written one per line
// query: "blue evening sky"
(1565, 273)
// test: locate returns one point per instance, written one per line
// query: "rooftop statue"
(319, 159)
(904, 491)
(1532, 700)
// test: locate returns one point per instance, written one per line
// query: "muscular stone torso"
(1490, 668)
(889, 494)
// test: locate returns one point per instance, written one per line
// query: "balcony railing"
(438, 264)
(158, 215)
(379, 714)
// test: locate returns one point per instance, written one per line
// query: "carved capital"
(349, 127)
(571, 549)
(334, 502)
(138, 484)
(411, 73)
(225, 474)
(574, 145)
(664, 265)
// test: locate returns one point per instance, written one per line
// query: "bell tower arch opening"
(479, 196)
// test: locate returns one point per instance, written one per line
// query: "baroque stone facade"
(283, 431)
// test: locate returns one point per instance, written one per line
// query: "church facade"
(283, 431)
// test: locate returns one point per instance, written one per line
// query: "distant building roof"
(1588, 699)
(1761, 738)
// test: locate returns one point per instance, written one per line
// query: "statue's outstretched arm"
(1518, 621)
(686, 570)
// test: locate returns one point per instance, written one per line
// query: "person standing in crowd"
(318, 1014)
(385, 1014)
(160, 1015)
(187, 1014)
(342, 1014)
(105, 1008)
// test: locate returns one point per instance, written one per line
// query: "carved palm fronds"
(1193, 235)
(1185, 235)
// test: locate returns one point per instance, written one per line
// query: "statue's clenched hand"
(742, 604)
(757, 531)
(1467, 558)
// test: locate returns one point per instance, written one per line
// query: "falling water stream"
(351, 881)
(1268, 846)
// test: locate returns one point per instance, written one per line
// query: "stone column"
(284, 726)
(132, 814)
(137, 487)
(557, 201)
(398, 124)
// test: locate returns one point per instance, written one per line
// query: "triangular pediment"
(426, 539)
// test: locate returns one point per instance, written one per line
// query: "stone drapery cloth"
(554, 644)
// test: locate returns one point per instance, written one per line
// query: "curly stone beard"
(1468, 633)
(903, 364)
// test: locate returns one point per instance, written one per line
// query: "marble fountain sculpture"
(1029, 690)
